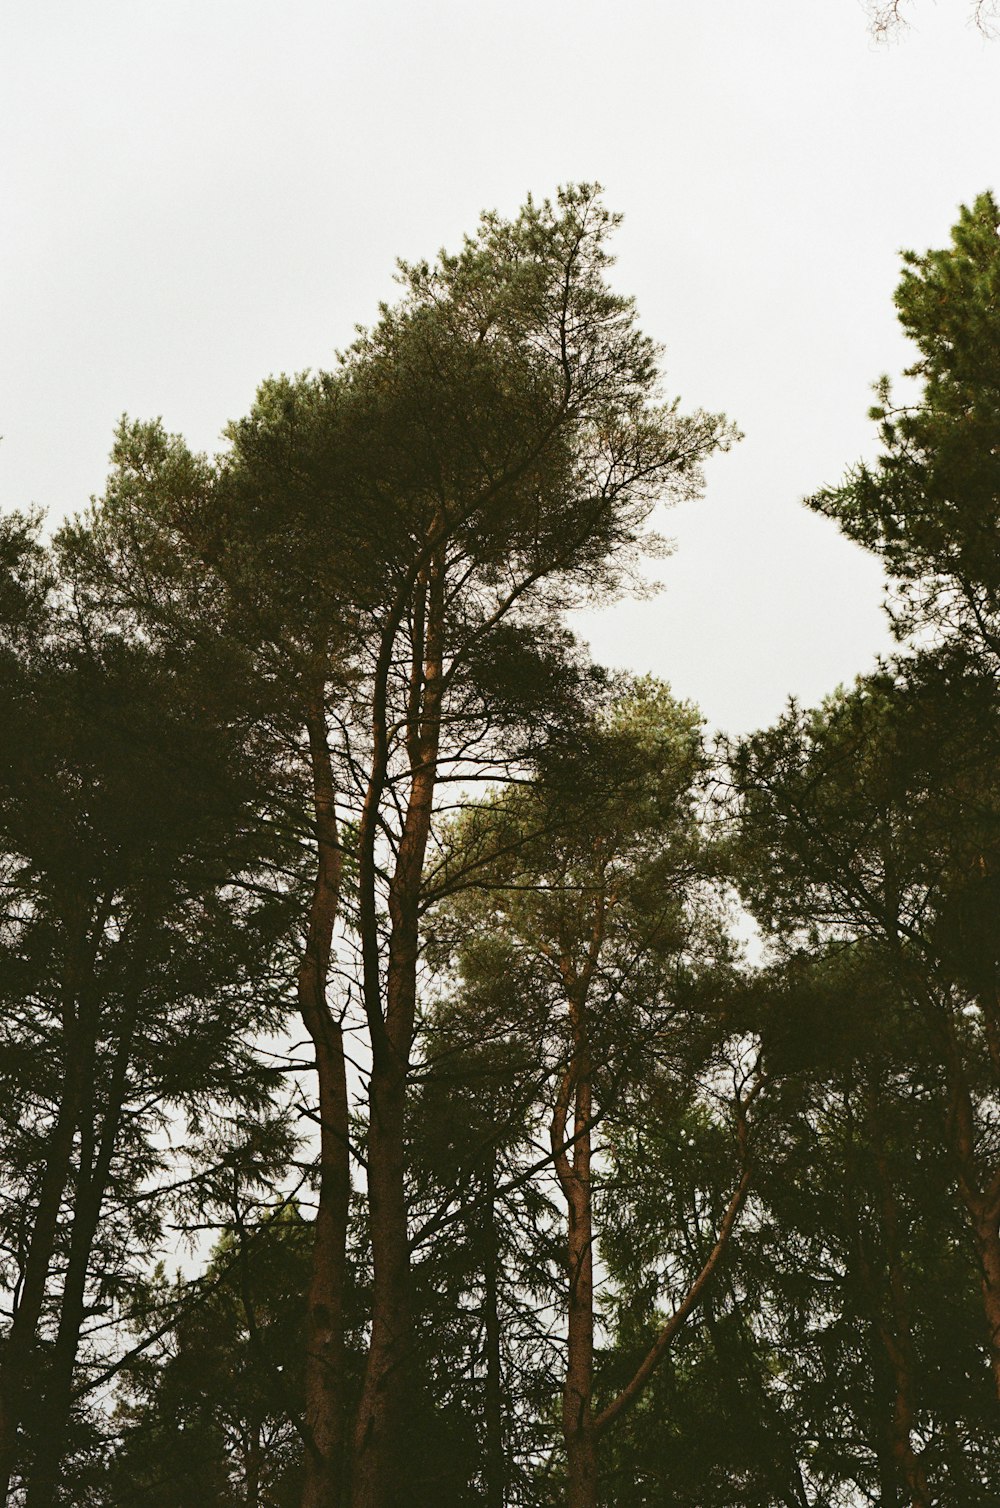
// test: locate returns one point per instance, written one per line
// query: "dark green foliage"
(140, 945)
(497, 438)
(208, 1414)
(931, 505)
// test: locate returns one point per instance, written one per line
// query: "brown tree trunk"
(896, 1337)
(381, 1411)
(254, 1461)
(987, 1239)
(980, 1195)
(577, 1415)
(495, 1474)
(892, 1364)
(574, 1174)
(324, 1364)
(378, 1457)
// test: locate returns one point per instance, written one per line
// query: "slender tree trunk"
(381, 1412)
(324, 1365)
(574, 1173)
(981, 1196)
(897, 1338)
(50, 1427)
(19, 1347)
(885, 1460)
(495, 1473)
(577, 1414)
(898, 1468)
(92, 1183)
(376, 1480)
(987, 1239)
(254, 1461)
(17, 1356)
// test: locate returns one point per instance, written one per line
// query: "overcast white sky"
(196, 193)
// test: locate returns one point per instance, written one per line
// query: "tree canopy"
(391, 1108)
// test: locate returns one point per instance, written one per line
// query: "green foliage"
(499, 438)
(141, 938)
(931, 505)
(207, 1417)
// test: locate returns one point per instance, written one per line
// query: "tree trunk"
(897, 1338)
(577, 1416)
(494, 1471)
(377, 1459)
(323, 1485)
(980, 1196)
(381, 1412)
(254, 1461)
(92, 1183)
(987, 1240)
(382, 1409)
(574, 1174)
(18, 1350)
(19, 1347)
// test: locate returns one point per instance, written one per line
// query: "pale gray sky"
(196, 193)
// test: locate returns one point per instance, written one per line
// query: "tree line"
(391, 1112)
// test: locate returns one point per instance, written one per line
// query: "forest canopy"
(391, 1110)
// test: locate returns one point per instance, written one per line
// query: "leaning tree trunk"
(324, 1362)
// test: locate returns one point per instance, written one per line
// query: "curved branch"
(662, 1343)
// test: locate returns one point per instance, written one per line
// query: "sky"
(198, 193)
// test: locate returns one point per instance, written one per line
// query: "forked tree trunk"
(377, 1465)
(324, 1364)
